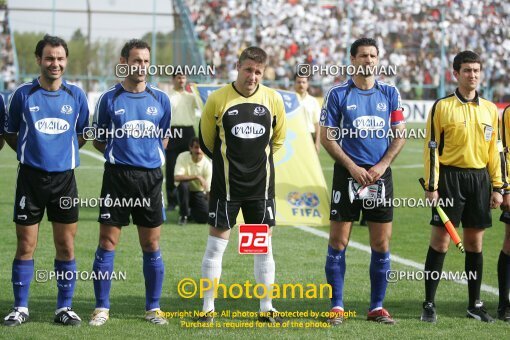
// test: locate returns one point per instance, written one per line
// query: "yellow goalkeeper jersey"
(240, 135)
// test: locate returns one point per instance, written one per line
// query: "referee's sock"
(379, 265)
(103, 268)
(433, 263)
(154, 273)
(264, 270)
(22, 273)
(211, 267)
(474, 264)
(503, 280)
(66, 281)
(335, 273)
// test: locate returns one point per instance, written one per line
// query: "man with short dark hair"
(368, 109)
(193, 174)
(184, 105)
(45, 122)
(463, 164)
(242, 126)
(132, 122)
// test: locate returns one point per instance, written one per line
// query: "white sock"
(211, 267)
(264, 270)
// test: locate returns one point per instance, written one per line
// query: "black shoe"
(67, 318)
(271, 316)
(207, 317)
(183, 220)
(479, 313)
(15, 318)
(429, 312)
(504, 314)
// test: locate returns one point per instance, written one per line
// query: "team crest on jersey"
(259, 111)
(152, 111)
(34, 109)
(381, 107)
(66, 109)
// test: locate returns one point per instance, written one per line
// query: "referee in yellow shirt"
(183, 121)
(463, 163)
(504, 255)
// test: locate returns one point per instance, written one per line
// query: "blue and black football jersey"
(2, 115)
(133, 126)
(47, 123)
(363, 119)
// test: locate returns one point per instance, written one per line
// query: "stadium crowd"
(7, 70)
(408, 32)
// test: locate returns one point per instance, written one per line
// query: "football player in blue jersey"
(2, 122)
(357, 121)
(132, 122)
(45, 122)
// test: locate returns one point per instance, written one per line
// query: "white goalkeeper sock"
(211, 267)
(264, 270)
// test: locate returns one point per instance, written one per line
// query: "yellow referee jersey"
(240, 135)
(463, 134)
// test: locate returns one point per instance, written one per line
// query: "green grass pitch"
(299, 256)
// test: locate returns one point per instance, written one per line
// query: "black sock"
(474, 264)
(503, 280)
(433, 263)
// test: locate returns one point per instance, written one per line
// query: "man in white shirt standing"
(183, 121)
(311, 107)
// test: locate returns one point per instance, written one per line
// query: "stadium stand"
(409, 32)
(7, 69)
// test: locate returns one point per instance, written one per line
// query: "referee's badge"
(488, 132)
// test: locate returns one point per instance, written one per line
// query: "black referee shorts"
(37, 190)
(470, 190)
(130, 191)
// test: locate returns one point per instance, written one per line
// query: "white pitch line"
(93, 155)
(394, 258)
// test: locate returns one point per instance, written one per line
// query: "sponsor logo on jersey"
(34, 109)
(142, 127)
(152, 110)
(248, 130)
(259, 111)
(119, 112)
(232, 112)
(52, 126)
(351, 107)
(369, 123)
(381, 107)
(66, 109)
